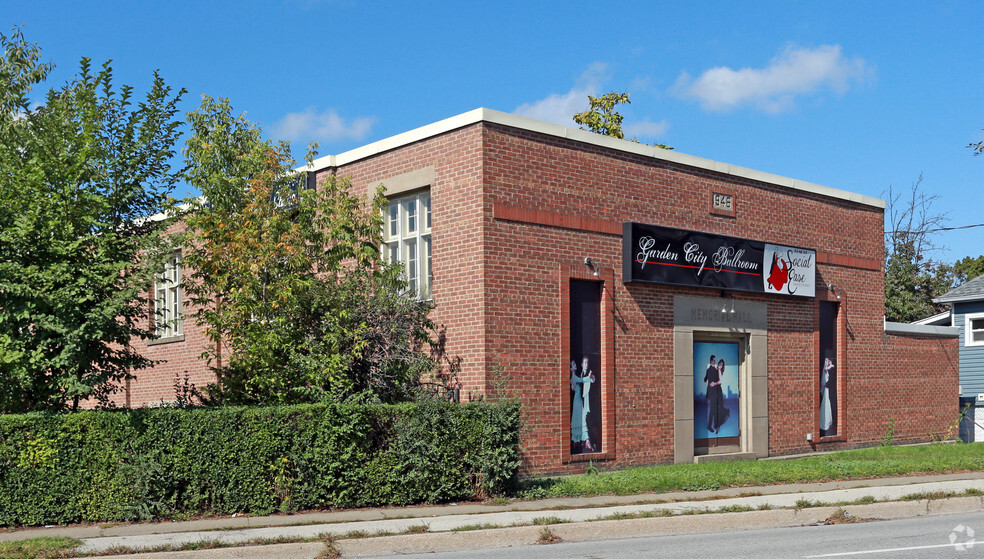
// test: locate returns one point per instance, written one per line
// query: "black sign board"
(656, 254)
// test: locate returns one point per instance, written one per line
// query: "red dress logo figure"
(779, 273)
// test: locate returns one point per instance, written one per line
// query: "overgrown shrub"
(97, 466)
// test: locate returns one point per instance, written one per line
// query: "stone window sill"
(170, 340)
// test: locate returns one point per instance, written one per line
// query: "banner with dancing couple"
(585, 367)
(716, 393)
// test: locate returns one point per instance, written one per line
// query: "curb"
(437, 542)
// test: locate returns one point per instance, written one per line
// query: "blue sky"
(854, 95)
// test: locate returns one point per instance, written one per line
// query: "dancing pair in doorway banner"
(581, 381)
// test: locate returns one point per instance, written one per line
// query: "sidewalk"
(431, 528)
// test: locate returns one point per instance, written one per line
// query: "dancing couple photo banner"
(654, 254)
(716, 393)
(585, 367)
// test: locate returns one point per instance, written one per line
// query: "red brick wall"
(514, 215)
(556, 202)
(457, 237)
(177, 361)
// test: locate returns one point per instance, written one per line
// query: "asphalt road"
(947, 536)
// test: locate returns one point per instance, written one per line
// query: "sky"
(859, 96)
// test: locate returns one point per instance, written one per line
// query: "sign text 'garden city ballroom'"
(654, 254)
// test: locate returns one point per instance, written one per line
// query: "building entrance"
(717, 389)
(720, 412)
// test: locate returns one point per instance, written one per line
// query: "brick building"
(595, 278)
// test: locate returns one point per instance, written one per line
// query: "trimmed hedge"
(98, 466)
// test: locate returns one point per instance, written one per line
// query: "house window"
(407, 240)
(974, 331)
(167, 298)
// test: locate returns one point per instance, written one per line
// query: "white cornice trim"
(523, 123)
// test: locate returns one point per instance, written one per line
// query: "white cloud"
(645, 129)
(325, 127)
(795, 71)
(559, 108)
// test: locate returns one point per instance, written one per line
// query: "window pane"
(175, 325)
(410, 207)
(394, 219)
(428, 277)
(410, 263)
(160, 310)
(425, 201)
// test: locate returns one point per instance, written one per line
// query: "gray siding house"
(967, 314)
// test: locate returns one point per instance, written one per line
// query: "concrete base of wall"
(729, 457)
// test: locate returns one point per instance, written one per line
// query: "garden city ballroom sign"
(654, 254)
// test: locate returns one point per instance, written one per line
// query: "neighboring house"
(595, 279)
(967, 315)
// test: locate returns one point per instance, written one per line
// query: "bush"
(98, 466)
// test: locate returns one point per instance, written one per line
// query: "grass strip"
(884, 461)
(38, 548)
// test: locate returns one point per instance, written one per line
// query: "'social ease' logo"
(778, 272)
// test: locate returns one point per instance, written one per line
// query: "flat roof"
(583, 136)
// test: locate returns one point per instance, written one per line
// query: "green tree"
(602, 118)
(968, 268)
(912, 278)
(289, 279)
(81, 173)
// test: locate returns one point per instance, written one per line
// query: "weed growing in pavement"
(806, 504)
(547, 537)
(330, 552)
(736, 508)
(621, 516)
(545, 520)
(473, 527)
(192, 546)
(931, 495)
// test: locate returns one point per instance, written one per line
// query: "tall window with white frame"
(407, 240)
(167, 298)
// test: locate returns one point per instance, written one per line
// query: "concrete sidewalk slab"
(451, 522)
(307, 550)
(432, 542)
(430, 511)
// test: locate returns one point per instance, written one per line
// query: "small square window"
(974, 331)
